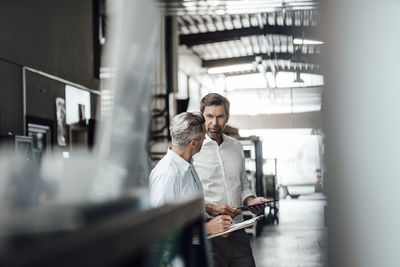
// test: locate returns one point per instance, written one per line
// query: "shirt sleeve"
(163, 189)
(246, 189)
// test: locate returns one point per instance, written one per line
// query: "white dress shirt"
(222, 173)
(172, 178)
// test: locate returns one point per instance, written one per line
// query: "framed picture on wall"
(23, 146)
(61, 122)
(41, 137)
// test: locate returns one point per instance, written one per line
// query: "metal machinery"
(115, 233)
(262, 185)
(272, 192)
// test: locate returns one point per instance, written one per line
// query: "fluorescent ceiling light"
(189, 5)
(298, 41)
(230, 68)
(213, 2)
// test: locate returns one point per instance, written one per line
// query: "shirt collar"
(179, 160)
(208, 139)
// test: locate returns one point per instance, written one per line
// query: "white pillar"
(361, 119)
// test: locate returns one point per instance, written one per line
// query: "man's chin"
(214, 135)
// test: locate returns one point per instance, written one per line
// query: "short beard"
(215, 136)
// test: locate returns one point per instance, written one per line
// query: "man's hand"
(218, 224)
(255, 200)
(215, 210)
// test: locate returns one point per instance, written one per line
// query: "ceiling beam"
(316, 71)
(295, 58)
(306, 32)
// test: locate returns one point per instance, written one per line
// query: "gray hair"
(214, 99)
(185, 127)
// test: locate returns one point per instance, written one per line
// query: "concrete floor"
(300, 239)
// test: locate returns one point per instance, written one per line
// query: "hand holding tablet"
(246, 207)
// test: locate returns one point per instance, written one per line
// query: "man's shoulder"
(161, 175)
(231, 139)
(165, 167)
(233, 142)
(165, 161)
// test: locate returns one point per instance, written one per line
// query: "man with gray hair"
(174, 176)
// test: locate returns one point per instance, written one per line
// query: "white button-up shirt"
(172, 178)
(222, 173)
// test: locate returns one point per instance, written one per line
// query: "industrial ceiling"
(280, 35)
(278, 39)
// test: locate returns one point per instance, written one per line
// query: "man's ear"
(192, 142)
(227, 118)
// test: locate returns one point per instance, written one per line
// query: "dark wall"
(41, 94)
(56, 37)
(11, 112)
(52, 36)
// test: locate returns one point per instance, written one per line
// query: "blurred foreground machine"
(87, 210)
(117, 233)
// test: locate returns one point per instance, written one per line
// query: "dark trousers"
(233, 251)
(197, 256)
